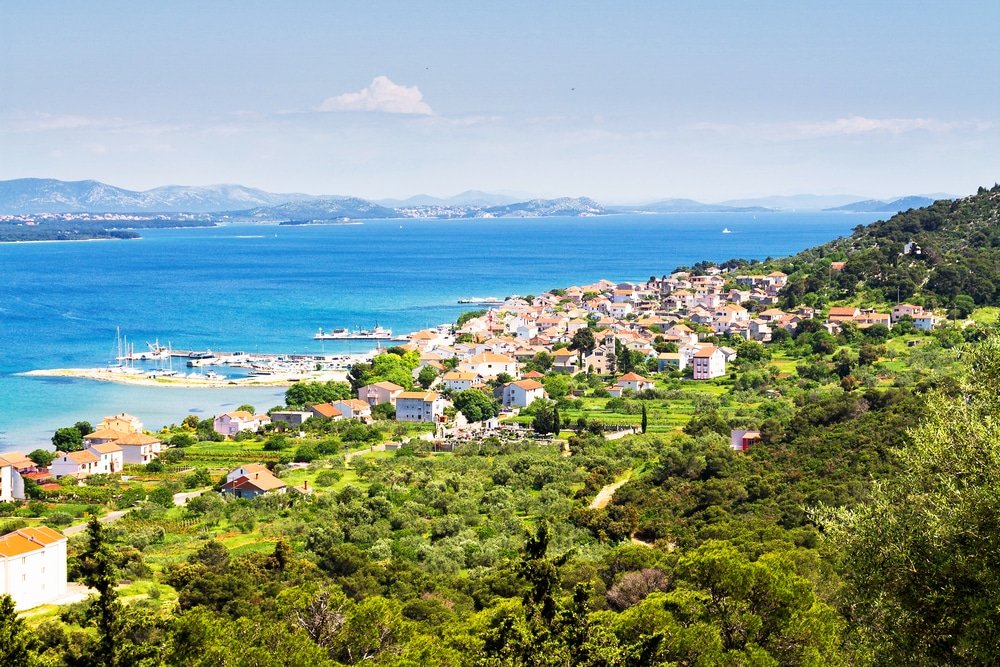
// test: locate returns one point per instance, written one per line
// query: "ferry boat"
(486, 301)
(378, 333)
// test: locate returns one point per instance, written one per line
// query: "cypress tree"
(643, 417)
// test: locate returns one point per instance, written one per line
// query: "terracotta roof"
(106, 448)
(425, 396)
(239, 414)
(16, 459)
(103, 434)
(261, 481)
(458, 375)
(705, 352)
(133, 439)
(355, 404)
(388, 386)
(632, 377)
(326, 410)
(27, 540)
(252, 468)
(528, 385)
(490, 357)
(533, 375)
(848, 311)
(82, 457)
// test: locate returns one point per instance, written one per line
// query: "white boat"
(726, 230)
(378, 333)
(486, 301)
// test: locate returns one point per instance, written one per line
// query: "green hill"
(932, 255)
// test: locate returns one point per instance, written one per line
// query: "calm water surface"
(269, 288)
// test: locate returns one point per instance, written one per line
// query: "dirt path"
(361, 452)
(604, 496)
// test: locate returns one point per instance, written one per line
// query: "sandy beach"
(142, 380)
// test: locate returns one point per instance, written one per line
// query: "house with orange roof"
(522, 393)
(459, 380)
(419, 406)
(103, 436)
(252, 480)
(842, 314)
(33, 566)
(634, 382)
(708, 362)
(139, 448)
(489, 365)
(75, 464)
(122, 422)
(11, 482)
(379, 393)
(231, 423)
(354, 408)
(565, 361)
(325, 411)
(110, 455)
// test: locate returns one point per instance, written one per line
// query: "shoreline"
(142, 380)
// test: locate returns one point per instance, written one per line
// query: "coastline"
(142, 380)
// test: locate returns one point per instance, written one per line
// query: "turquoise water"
(269, 288)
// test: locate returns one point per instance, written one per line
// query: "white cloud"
(381, 95)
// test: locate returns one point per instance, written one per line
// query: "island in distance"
(50, 209)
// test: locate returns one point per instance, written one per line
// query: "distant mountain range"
(47, 195)
(33, 196)
(880, 206)
(692, 206)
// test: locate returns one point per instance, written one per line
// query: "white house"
(489, 365)
(709, 362)
(11, 482)
(379, 393)
(231, 423)
(77, 464)
(925, 321)
(33, 566)
(122, 422)
(419, 406)
(523, 393)
(635, 382)
(354, 408)
(111, 458)
(459, 380)
(139, 448)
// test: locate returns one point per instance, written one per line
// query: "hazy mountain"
(316, 209)
(533, 208)
(47, 195)
(804, 202)
(468, 198)
(692, 206)
(880, 206)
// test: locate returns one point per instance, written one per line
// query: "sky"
(621, 101)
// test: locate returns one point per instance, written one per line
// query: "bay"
(263, 288)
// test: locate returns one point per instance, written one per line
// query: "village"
(507, 352)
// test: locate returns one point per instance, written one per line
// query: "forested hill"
(936, 255)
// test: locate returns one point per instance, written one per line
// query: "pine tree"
(556, 421)
(16, 641)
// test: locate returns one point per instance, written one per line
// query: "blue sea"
(269, 288)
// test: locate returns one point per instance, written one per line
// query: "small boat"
(726, 230)
(212, 375)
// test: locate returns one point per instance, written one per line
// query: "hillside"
(935, 255)
(880, 206)
(48, 195)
